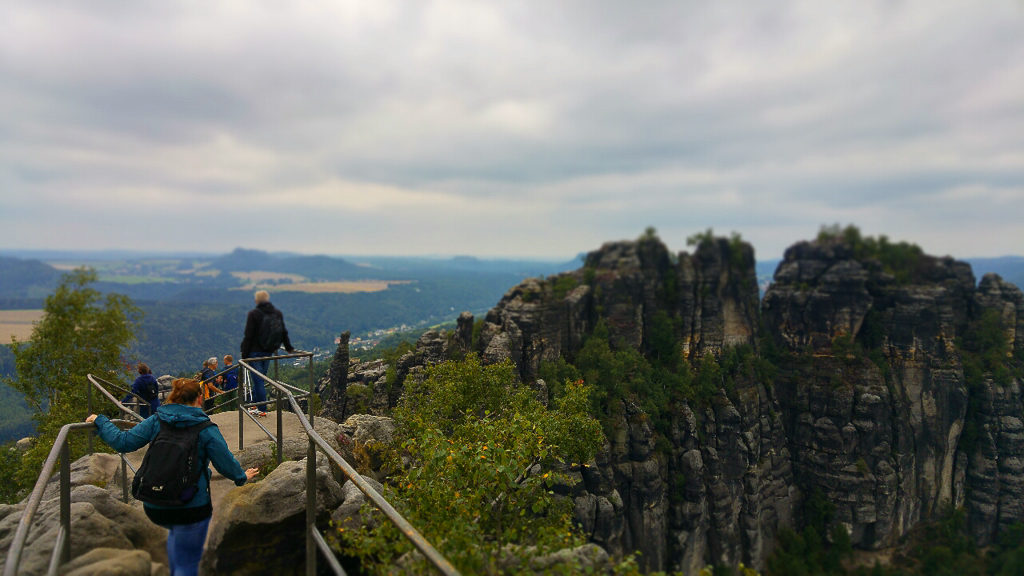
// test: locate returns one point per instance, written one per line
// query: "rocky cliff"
(871, 376)
(717, 484)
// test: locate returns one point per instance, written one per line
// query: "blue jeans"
(259, 387)
(185, 547)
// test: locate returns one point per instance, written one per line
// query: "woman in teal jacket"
(187, 524)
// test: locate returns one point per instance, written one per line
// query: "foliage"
(485, 458)
(81, 332)
(563, 284)
(900, 259)
(556, 373)
(701, 238)
(986, 349)
(618, 374)
(985, 353)
(15, 415)
(940, 548)
(11, 489)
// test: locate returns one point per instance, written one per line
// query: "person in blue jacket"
(230, 377)
(146, 387)
(187, 524)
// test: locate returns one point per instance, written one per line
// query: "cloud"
(503, 128)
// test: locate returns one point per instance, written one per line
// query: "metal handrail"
(242, 406)
(316, 441)
(62, 551)
(129, 414)
(314, 540)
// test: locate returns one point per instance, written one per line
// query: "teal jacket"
(212, 447)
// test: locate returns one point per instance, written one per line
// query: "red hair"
(185, 391)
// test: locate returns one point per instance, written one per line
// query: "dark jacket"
(251, 340)
(212, 448)
(206, 375)
(147, 387)
(230, 379)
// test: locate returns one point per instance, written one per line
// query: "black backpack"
(169, 475)
(271, 331)
(151, 390)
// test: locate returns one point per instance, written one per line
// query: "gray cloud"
(509, 128)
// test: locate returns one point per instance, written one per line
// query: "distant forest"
(195, 307)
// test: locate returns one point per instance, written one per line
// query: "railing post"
(310, 508)
(280, 430)
(242, 375)
(88, 404)
(65, 496)
(309, 398)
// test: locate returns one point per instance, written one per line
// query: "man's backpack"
(150, 391)
(169, 475)
(271, 333)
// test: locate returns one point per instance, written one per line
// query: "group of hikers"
(173, 481)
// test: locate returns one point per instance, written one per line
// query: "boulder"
(114, 562)
(99, 519)
(260, 527)
(347, 515)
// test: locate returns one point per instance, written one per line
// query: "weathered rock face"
(993, 445)
(871, 405)
(722, 488)
(719, 494)
(260, 528)
(99, 520)
(1007, 301)
(712, 294)
(874, 394)
(335, 388)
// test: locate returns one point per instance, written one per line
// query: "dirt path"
(227, 422)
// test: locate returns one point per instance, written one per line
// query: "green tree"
(82, 331)
(482, 457)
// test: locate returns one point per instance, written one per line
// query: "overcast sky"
(512, 128)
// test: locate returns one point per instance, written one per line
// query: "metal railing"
(283, 393)
(62, 549)
(247, 374)
(314, 540)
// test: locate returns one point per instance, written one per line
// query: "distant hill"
(311, 267)
(1011, 268)
(26, 278)
(425, 265)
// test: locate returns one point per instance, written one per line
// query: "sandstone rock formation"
(261, 527)
(100, 521)
(867, 406)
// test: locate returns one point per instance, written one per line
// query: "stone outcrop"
(877, 437)
(875, 395)
(261, 527)
(867, 407)
(712, 294)
(99, 520)
(335, 387)
(993, 443)
(723, 487)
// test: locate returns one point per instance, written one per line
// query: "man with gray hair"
(265, 332)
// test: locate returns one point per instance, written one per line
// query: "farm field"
(337, 287)
(18, 323)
